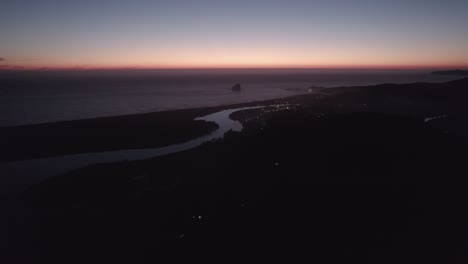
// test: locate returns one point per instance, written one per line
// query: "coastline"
(135, 131)
(160, 129)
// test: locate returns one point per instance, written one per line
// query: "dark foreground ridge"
(385, 167)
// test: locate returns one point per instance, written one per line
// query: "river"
(18, 175)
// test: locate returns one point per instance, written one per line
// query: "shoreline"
(207, 109)
(164, 128)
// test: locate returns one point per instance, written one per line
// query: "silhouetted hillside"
(452, 72)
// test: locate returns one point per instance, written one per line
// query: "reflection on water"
(17, 175)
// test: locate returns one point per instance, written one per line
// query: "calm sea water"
(39, 97)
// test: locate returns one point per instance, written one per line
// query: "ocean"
(31, 97)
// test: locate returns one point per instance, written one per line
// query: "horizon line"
(338, 67)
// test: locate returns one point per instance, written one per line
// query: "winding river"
(18, 175)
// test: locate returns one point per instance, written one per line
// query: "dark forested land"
(354, 174)
(137, 131)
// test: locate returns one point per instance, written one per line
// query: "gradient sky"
(234, 33)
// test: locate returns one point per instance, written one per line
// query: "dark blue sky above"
(233, 33)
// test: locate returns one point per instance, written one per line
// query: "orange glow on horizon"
(234, 34)
(193, 57)
(239, 66)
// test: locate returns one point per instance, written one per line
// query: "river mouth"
(17, 175)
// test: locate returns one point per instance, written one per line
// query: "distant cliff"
(451, 72)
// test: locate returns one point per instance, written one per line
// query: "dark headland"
(385, 166)
(451, 72)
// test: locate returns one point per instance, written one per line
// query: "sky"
(233, 34)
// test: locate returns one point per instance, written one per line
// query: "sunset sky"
(212, 34)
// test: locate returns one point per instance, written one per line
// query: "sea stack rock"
(236, 87)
